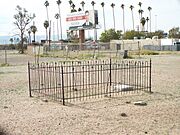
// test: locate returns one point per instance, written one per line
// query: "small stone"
(75, 89)
(45, 100)
(123, 114)
(5, 107)
(140, 103)
(155, 120)
(128, 102)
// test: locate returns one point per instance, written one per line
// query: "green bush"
(4, 65)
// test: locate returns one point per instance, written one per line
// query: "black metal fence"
(81, 80)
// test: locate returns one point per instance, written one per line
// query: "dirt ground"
(22, 115)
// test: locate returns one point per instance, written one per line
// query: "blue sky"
(165, 13)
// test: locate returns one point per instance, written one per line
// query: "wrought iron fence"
(81, 80)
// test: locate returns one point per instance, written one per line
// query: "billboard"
(82, 20)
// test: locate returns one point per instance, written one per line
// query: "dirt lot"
(22, 115)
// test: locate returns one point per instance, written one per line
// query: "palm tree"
(79, 9)
(34, 29)
(149, 8)
(11, 40)
(46, 25)
(57, 17)
(122, 6)
(113, 5)
(82, 3)
(140, 16)
(93, 3)
(29, 33)
(147, 19)
(140, 4)
(73, 8)
(102, 4)
(46, 5)
(70, 3)
(143, 21)
(141, 12)
(131, 7)
(60, 23)
(94, 25)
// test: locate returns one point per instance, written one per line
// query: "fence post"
(5, 56)
(150, 68)
(62, 74)
(29, 75)
(110, 74)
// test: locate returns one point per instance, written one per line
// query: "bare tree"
(22, 19)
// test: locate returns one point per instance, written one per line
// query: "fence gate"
(81, 80)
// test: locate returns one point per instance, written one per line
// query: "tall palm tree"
(140, 17)
(34, 30)
(102, 4)
(46, 4)
(93, 3)
(143, 21)
(147, 20)
(57, 17)
(60, 23)
(122, 6)
(140, 4)
(149, 8)
(113, 5)
(94, 25)
(131, 7)
(46, 25)
(70, 3)
(82, 3)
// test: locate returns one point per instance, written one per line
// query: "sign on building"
(82, 20)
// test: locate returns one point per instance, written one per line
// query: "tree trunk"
(57, 31)
(133, 19)
(34, 38)
(21, 49)
(104, 20)
(114, 19)
(46, 35)
(123, 22)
